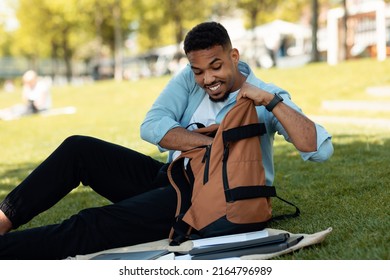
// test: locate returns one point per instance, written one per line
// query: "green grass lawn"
(349, 193)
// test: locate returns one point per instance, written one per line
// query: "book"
(251, 250)
(137, 255)
(278, 238)
(229, 238)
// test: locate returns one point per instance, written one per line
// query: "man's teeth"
(214, 88)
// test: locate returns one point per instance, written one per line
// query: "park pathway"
(379, 103)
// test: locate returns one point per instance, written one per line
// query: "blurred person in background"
(36, 92)
(36, 97)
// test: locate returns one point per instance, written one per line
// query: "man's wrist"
(274, 101)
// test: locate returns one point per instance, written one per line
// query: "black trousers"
(143, 205)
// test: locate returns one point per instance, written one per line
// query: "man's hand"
(259, 96)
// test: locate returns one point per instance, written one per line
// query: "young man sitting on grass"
(143, 203)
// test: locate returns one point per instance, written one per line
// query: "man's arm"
(300, 129)
(181, 139)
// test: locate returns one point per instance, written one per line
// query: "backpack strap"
(285, 216)
(198, 125)
(247, 192)
(242, 132)
(180, 231)
(184, 181)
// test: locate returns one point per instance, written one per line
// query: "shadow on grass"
(349, 193)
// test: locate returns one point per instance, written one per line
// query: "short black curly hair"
(206, 35)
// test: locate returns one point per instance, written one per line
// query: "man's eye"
(217, 67)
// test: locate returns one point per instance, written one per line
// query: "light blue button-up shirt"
(180, 98)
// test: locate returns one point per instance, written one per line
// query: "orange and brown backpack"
(222, 189)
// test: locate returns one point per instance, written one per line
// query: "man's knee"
(78, 143)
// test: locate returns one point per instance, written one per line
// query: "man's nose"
(208, 78)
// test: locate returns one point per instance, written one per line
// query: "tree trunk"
(118, 41)
(67, 57)
(315, 56)
(345, 30)
(54, 60)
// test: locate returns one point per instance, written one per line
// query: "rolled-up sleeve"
(324, 146)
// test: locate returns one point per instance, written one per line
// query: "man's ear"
(235, 55)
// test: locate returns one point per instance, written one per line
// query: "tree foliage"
(49, 28)
(168, 23)
(86, 29)
(6, 39)
(257, 10)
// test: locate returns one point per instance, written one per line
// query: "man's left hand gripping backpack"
(222, 189)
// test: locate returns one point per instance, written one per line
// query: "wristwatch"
(277, 98)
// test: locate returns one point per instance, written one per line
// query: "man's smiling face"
(215, 70)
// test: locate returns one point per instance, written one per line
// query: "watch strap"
(277, 98)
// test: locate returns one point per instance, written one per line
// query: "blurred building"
(278, 43)
(363, 29)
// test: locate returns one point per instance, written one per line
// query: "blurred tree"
(58, 29)
(4, 36)
(28, 41)
(150, 24)
(6, 39)
(168, 23)
(222, 9)
(257, 9)
(291, 11)
(254, 9)
(315, 56)
(118, 40)
(84, 29)
(49, 28)
(107, 23)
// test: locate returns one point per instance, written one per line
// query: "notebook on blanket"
(264, 245)
(138, 255)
